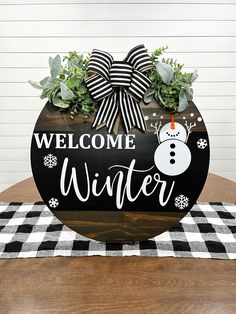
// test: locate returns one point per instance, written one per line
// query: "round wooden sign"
(118, 187)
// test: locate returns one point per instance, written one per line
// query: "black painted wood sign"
(127, 182)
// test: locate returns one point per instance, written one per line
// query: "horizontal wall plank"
(113, 28)
(215, 102)
(223, 141)
(17, 89)
(15, 166)
(14, 142)
(216, 128)
(223, 153)
(10, 177)
(219, 116)
(19, 117)
(39, 2)
(55, 45)
(22, 103)
(122, 11)
(200, 88)
(17, 154)
(215, 165)
(20, 129)
(215, 88)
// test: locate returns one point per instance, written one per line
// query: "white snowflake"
(202, 143)
(53, 202)
(50, 161)
(181, 201)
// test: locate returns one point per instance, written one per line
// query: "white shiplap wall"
(199, 34)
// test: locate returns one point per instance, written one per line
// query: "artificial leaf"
(194, 76)
(189, 95)
(165, 71)
(158, 96)
(51, 83)
(57, 100)
(44, 81)
(35, 85)
(55, 66)
(44, 94)
(188, 91)
(50, 59)
(183, 101)
(186, 87)
(60, 103)
(66, 93)
(148, 96)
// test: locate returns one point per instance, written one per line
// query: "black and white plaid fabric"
(31, 230)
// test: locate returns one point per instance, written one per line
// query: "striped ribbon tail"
(107, 112)
(119, 86)
(131, 112)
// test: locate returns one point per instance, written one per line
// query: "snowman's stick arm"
(157, 127)
(189, 127)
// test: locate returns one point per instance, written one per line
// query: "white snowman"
(172, 157)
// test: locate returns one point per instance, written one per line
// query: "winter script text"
(119, 184)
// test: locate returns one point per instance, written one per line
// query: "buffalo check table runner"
(31, 230)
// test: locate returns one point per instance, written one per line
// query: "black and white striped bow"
(119, 86)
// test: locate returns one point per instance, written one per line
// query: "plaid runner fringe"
(31, 230)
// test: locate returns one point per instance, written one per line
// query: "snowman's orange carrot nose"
(172, 125)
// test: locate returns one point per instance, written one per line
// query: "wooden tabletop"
(118, 284)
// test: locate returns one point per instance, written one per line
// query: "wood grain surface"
(117, 285)
(129, 285)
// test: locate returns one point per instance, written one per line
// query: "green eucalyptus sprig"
(170, 86)
(65, 87)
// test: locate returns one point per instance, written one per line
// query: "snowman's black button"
(172, 145)
(172, 161)
(172, 154)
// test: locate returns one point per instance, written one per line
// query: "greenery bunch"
(170, 86)
(65, 87)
